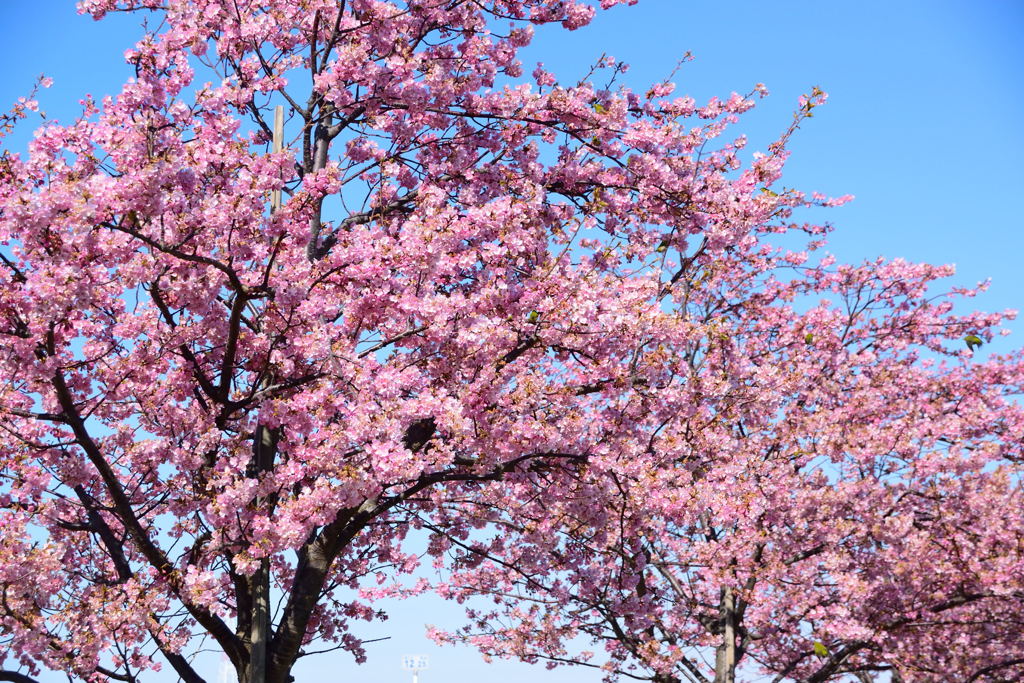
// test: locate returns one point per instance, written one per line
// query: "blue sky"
(925, 125)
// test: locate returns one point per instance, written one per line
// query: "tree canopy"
(560, 327)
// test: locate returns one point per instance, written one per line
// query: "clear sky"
(925, 125)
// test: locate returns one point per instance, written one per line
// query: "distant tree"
(233, 377)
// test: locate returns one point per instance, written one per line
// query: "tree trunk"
(259, 632)
(725, 655)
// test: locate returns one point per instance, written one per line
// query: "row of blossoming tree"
(560, 328)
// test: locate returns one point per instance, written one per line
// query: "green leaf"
(973, 341)
(820, 650)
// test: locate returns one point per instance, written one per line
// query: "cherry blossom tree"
(238, 367)
(206, 402)
(832, 500)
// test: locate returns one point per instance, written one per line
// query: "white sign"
(414, 662)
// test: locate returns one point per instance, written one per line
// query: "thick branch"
(122, 505)
(104, 671)
(361, 218)
(832, 666)
(515, 353)
(392, 340)
(204, 382)
(236, 284)
(16, 677)
(982, 674)
(100, 527)
(180, 665)
(317, 556)
(324, 133)
(18, 275)
(231, 346)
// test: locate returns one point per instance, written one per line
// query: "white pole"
(276, 145)
(225, 666)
